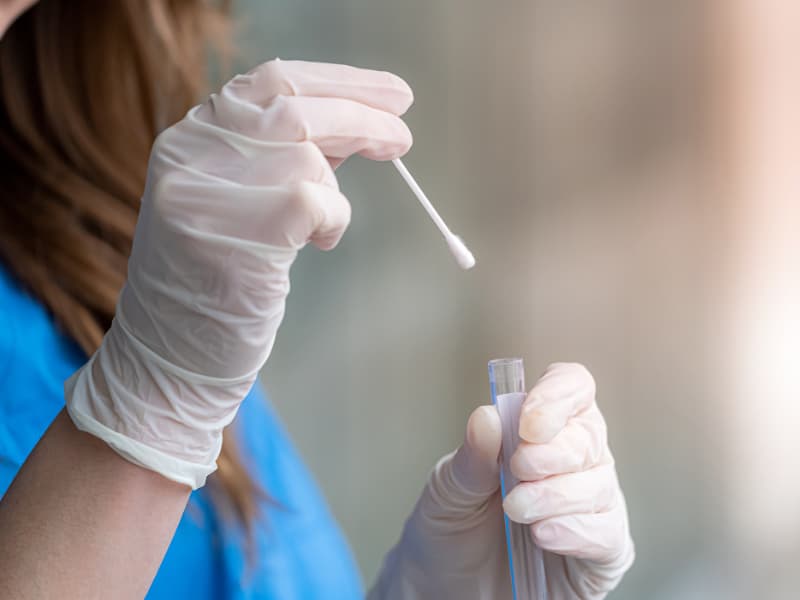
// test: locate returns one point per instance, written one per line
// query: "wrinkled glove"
(453, 546)
(233, 191)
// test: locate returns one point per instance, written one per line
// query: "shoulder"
(35, 359)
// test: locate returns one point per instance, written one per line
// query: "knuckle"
(300, 214)
(523, 463)
(309, 153)
(587, 377)
(594, 426)
(314, 161)
(579, 372)
(347, 211)
(606, 496)
(339, 218)
(270, 77)
(330, 230)
(272, 71)
(286, 109)
(302, 197)
(239, 82)
(403, 91)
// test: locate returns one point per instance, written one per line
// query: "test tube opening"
(506, 375)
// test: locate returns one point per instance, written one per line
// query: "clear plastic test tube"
(507, 384)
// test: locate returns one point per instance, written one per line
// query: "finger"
(378, 89)
(305, 211)
(325, 211)
(601, 537)
(243, 160)
(589, 491)
(339, 127)
(476, 463)
(563, 391)
(581, 445)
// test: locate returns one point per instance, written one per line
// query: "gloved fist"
(453, 546)
(234, 190)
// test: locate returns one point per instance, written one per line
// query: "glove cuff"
(153, 414)
(181, 471)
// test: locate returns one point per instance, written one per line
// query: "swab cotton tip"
(463, 256)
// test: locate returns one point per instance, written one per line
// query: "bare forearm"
(79, 521)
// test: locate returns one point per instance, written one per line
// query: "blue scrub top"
(300, 552)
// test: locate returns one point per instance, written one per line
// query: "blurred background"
(623, 172)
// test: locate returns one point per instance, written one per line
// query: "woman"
(233, 191)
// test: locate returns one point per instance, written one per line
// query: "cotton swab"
(459, 250)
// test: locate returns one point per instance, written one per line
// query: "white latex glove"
(234, 190)
(453, 545)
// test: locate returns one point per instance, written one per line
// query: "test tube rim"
(499, 362)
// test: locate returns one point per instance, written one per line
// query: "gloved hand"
(234, 190)
(453, 545)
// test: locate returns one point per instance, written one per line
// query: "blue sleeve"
(35, 359)
(299, 550)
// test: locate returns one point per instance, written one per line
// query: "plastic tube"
(507, 384)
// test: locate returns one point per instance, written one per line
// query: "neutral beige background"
(561, 139)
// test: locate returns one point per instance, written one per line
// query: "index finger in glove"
(344, 110)
(565, 390)
(340, 127)
(378, 89)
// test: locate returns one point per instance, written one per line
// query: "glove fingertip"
(485, 432)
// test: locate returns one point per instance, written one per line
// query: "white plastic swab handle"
(458, 248)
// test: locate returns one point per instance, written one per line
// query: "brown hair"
(85, 86)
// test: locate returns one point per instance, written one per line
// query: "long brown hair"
(85, 86)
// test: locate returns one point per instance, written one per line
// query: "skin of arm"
(79, 521)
